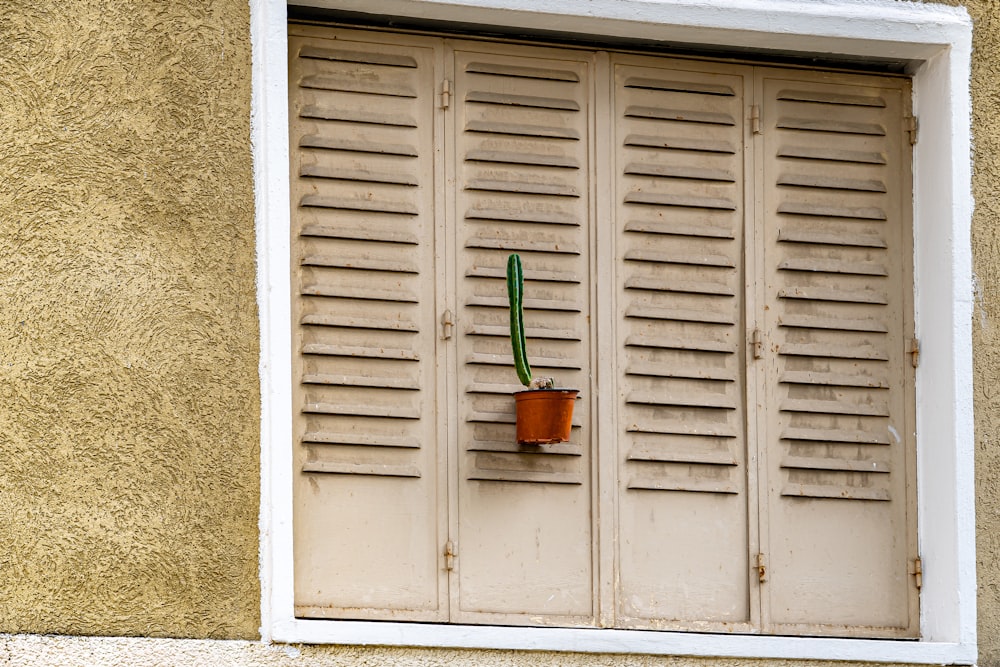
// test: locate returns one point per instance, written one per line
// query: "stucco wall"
(129, 413)
(128, 383)
(986, 324)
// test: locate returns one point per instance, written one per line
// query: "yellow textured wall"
(129, 397)
(128, 334)
(986, 321)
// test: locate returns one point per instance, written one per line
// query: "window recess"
(751, 469)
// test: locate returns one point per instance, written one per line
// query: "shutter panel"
(683, 537)
(839, 381)
(523, 184)
(367, 533)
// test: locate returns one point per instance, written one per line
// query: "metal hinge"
(761, 566)
(914, 352)
(450, 554)
(757, 344)
(447, 322)
(917, 570)
(910, 124)
(445, 94)
(755, 119)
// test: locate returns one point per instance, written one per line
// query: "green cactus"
(515, 293)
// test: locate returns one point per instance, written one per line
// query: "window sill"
(359, 633)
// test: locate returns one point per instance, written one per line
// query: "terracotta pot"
(544, 416)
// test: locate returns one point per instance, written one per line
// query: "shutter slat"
(833, 379)
(682, 172)
(679, 286)
(687, 484)
(340, 143)
(831, 126)
(378, 470)
(359, 381)
(336, 83)
(316, 171)
(679, 314)
(522, 100)
(682, 115)
(679, 86)
(362, 57)
(359, 234)
(352, 292)
(519, 212)
(522, 130)
(645, 452)
(817, 463)
(831, 154)
(331, 320)
(394, 412)
(829, 211)
(679, 229)
(359, 204)
(683, 201)
(677, 257)
(517, 72)
(825, 97)
(360, 438)
(820, 237)
(365, 263)
(523, 158)
(834, 492)
(680, 143)
(347, 115)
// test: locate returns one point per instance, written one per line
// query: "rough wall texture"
(128, 353)
(986, 323)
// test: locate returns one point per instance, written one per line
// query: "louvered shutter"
(522, 128)
(367, 522)
(683, 513)
(837, 323)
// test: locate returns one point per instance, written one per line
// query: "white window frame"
(936, 41)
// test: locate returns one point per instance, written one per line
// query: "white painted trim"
(936, 40)
(361, 633)
(269, 137)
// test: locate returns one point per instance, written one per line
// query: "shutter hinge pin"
(445, 94)
(761, 567)
(450, 553)
(755, 119)
(911, 125)
(758, 344)
(447, 322)
(915, 352)
(917, 570)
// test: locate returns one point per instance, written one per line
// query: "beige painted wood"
(523, 179)
(368, 522)
(839, 381)
(733, 301)
(683, 506)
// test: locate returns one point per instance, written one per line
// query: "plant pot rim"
(541, 389)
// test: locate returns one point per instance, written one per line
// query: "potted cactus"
(544, 414)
